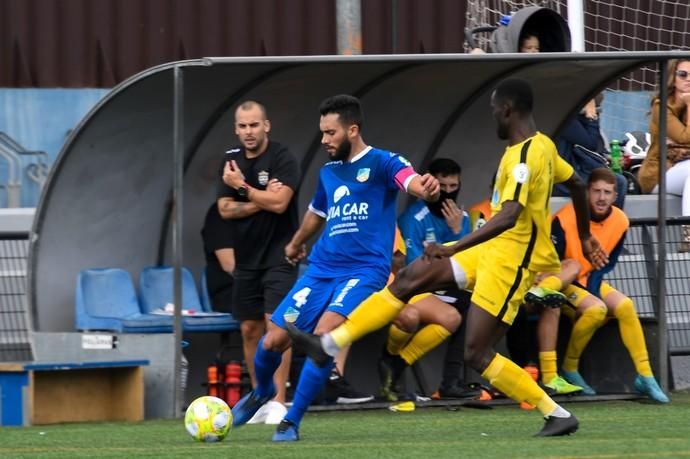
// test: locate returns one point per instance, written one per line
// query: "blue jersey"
(418, 225)
(358, 201)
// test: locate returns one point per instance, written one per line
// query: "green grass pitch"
(626, 429)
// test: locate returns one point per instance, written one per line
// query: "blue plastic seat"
(106, 300)
(156, 290)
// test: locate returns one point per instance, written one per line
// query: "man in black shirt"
(263, 222)
(220, 259)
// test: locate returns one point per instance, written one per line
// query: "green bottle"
(616, 157)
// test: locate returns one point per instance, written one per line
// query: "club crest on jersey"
(521, 173)
(263, 178)
(363, 174)
(291, 315)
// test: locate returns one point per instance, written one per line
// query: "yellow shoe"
(403, 407)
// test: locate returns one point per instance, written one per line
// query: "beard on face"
(436, 208)
(342, 152)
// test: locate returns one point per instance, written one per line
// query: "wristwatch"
(243, 191)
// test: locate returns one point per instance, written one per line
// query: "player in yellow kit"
(498, 261)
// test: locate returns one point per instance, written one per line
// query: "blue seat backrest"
(156, 289)
(205, 298)
(107, 292)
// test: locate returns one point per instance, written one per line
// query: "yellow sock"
(397, 339)
(547, 366)
(591, 319)
(375, 312)
(552, 282)
(633, 337)
(517, 384)
(423, 341)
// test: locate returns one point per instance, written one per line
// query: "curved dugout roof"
(107, 201)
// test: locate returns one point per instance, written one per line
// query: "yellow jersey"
(527, 173)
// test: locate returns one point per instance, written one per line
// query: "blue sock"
(311, 381)
(265, 364)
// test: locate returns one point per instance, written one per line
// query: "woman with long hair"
(678, 143)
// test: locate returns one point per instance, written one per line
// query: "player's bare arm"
(226, 258)
(271, 200)
(425, 187)
(296, 249)
(591, 248)
(502, 221)
(230, 209)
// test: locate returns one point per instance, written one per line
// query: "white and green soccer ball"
(208, 419)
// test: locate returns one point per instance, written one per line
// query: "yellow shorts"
(577, 294)
(497, 287)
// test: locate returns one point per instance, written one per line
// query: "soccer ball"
(208, 419)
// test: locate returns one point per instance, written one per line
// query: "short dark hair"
(516, 91)
(602, 173)
(444, 167)
(347, 107)
(527, 33)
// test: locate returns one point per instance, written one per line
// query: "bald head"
(249, 105)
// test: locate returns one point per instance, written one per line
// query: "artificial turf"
(607, 430)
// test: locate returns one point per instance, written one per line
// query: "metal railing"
(15, 343)
(636, 276)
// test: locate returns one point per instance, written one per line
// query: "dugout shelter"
(109, 198)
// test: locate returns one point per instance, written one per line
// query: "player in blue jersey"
(355, 205)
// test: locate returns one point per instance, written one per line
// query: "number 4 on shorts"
(300, 297)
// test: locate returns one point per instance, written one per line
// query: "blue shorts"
(312, 296)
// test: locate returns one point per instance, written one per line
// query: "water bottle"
(616, 157)
(212, 381)
(233, 379)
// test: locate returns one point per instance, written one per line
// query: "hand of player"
(232, 175)
(434, 250)
(274, 185)
(431, 187)
(453, 215)
(294, 253)
(592, 250)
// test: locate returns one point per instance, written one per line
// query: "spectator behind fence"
(529, 42)
(424, 223)
(581, 144)
(263, 221)
(220, 259)
(354, 204)
(592, 306)
(678, 141)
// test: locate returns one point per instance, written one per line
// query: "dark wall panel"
(413, 26)
(99, 43)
